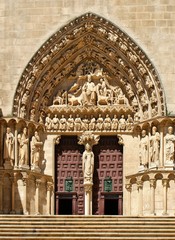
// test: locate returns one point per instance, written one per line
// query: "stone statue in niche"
(129, 123)
(70, 123)
(92, 123)
(22, 111)
(32, 114)
(23, 141)
(48, 122)
(154, 146)
(85, 123)
(36, 146)
(143, 149)
(107, 123)
(78, 123)
(63, 124)
(88, 164)
(169, 146)
(25, 97)
(122, 123)
(8, 149)
(55, 123)
(99, 125)
(114, 124)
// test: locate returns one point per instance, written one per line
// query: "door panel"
(108, 164)
(69, 165)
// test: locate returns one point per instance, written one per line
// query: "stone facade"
(68, 72)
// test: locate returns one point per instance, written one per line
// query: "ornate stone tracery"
(89, 47)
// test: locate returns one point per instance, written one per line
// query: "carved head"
(154, 130)
(88, 147)
(143, 133)
(8, 130)
(170, 130)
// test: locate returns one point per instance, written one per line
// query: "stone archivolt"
(88, 46)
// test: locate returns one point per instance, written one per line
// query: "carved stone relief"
(89, 47)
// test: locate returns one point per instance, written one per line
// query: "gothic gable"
(89, 50)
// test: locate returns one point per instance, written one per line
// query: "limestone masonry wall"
(26, 24)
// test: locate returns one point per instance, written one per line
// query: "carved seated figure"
(122, 123)
(99, 125)
(107, 123)
(58, 100)
(89, 92)
(114, 124)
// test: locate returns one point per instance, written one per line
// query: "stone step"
(86, 228)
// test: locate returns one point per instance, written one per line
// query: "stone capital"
(49, 186)
(165, 182)
(57, 139)
(88, 137)
(128, 187)
(139, 185)
(38, 183)
(88, 186)
(152, 183)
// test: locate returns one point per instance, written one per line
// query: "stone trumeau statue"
(88, 164)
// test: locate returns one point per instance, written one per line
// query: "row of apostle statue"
(149, 148)
(24, 150)
(88, 124)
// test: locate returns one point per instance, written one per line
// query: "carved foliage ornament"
(59, 63)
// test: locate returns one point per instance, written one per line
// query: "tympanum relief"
(116, 70)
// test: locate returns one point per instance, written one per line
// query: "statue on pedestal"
(8, 149)
(88, 164)
(23, 148)
(36, 145)
(143, 149)
(169, 145)
(154, 146)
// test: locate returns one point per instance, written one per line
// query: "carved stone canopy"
(89, 46)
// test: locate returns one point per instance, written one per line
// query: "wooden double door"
(107, 180)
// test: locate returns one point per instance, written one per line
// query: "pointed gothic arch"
(89, 45)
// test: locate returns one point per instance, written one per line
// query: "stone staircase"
(86, 228)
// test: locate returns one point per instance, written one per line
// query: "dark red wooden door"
(69, 165)
(108, 165)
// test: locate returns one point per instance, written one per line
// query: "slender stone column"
(1, 144)
(161, 147)
(49, 190)
(152, 189)
(25, 183)
(88, 198)
(129, 189)
(16, 149)
(165, 185)
(1, 199)
(13, 180)
(37, 202)
(140, 197)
